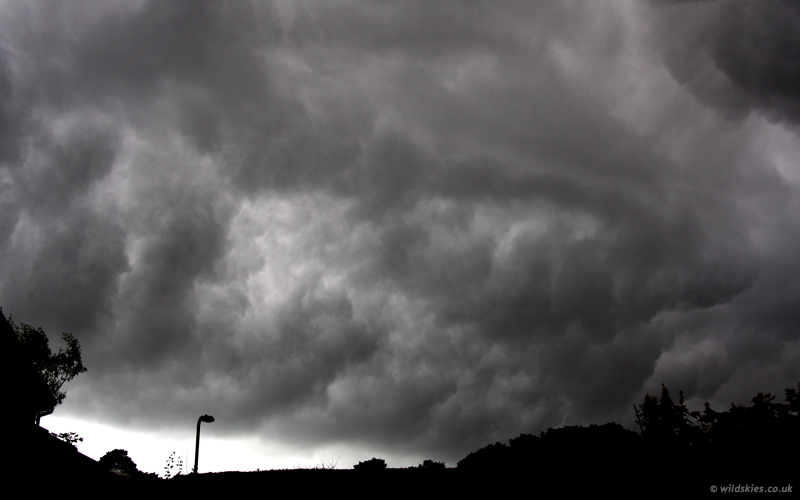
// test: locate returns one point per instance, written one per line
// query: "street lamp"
(204, 418)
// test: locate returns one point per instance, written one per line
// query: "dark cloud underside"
(411, 226)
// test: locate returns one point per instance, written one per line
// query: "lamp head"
(207, 419)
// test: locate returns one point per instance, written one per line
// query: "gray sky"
(408, 228)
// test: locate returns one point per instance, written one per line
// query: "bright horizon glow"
(150, 449)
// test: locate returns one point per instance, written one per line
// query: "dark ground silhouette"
(673, 451)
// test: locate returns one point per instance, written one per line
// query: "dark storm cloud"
(179, 249)
(10, 116)
(315, 340)
(738, 55)
(70, 251)
(81, 80)
(417, 29)
(402, 226)
(68, 280)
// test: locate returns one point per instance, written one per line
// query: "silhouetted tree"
(665, 423)
(686, 446)
(68, 437)
(120, 461)
(742, 440)
(793, 401)
(597, 448)
(56, 369)
(757, 430)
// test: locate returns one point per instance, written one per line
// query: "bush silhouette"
(371, 465)
(120, 461)
(430, 465)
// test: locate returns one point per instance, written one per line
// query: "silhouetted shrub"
(119, 460)
(430, 465)
(68, 437)
(371, 465)
(174, 466)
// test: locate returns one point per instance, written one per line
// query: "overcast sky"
(408, 229)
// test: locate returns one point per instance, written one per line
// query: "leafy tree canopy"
(68, 437)
(120, 461)
(56, 369)
(663, 422)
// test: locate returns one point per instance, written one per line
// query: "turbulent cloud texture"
(414, 226)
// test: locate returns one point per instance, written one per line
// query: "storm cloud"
(409, 226)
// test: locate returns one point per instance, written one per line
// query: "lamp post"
(203, 418)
